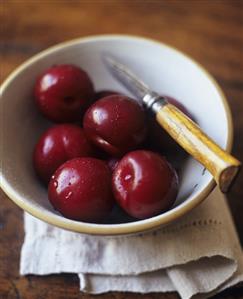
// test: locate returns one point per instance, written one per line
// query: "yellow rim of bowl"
(124, 228)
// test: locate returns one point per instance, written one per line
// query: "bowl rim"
(123, 228)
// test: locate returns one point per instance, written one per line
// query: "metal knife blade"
(127, 78)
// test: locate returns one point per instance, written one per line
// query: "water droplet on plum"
(55, 184)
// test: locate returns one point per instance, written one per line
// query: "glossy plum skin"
(144, 184)
(116, 124)
(57, 145)
(63, 93)
(80, 190)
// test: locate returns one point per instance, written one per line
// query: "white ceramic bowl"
(165, 69)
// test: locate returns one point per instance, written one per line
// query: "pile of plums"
(102, 150)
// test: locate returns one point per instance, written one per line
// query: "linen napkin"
(197, 256)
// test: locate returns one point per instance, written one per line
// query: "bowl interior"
(166, 70)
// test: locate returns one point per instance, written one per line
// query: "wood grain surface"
(210, 31)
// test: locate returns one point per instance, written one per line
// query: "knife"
(180, 127)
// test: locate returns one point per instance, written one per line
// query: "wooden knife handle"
(220, 164)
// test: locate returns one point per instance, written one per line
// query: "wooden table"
(209, 31)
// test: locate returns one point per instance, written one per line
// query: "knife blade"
(124, 75)
(181, 128)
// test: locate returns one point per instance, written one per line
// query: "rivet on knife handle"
(218, 162)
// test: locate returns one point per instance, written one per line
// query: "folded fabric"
(197, 256)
